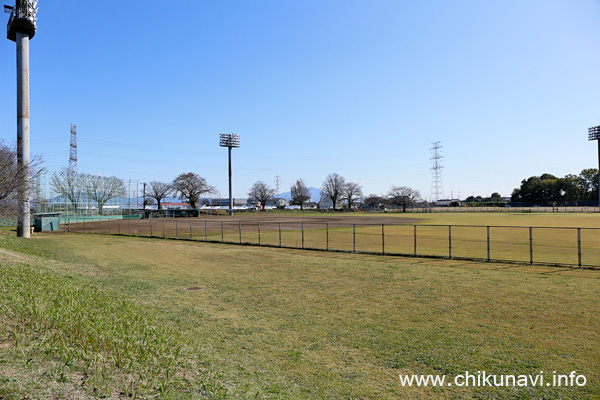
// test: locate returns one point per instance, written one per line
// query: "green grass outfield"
(280, 323)
(553, 239)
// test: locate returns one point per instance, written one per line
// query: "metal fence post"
(139, 226)
(92, 221)
(240, 230)
(101, 226)
(530, 245)
(259, 233)
(354, 238)
(222, 237)
(191, 229)
(128, 227)
(415, 240)
(280, 234)
(450, 242)
(118, 225)
(327, 230)
(579, 246)
(108, 227)
(302, 235)
(176, 229)
(151, 227)
(488, 243)
(163, 221)
(382, 239)
(205, 232)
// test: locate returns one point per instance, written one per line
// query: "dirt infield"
(317, 219)
(173, 227)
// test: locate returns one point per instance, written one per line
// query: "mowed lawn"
(280, 323)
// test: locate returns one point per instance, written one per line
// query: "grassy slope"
(293, 324)
(63, 335)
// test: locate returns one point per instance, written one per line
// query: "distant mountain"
(315, 194)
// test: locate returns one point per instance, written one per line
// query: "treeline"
(495, 200)
(549, 190)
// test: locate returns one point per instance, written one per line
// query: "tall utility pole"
(21, 27)
(436, 170)
(73, 150)
(594, 134)
(144, 196)
(229, 140)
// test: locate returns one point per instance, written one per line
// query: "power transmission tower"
(437, 191)
(277, 183)
(73, 150)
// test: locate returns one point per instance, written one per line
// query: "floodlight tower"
(21, 27)
(594, 134)
(229, 140)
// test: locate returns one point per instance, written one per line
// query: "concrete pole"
(230, 174)
(24, 221)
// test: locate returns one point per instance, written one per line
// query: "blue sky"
(361, 88)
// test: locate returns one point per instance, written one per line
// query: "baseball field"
(90, 316)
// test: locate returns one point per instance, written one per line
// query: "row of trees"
(76, 187)
(189, 186)
(340, 192)
(334, 188)
(397, 196)
(548, 189)
(495, 200)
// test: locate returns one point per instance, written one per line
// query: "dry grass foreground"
(293, 324)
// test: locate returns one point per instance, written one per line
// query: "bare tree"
(374, 200)
(404, 196)
(12, 175)
(158, 191)
(333, 188)
(261, 192)
(191, 186)
(102, 189)
(352, 191)
(9, 172)
(70, 185)
(300, 193)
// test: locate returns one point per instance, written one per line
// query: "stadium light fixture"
(229, 140)
(594, 134)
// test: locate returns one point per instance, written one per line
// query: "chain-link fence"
(534, 245)
(74, 194)
(507, 209)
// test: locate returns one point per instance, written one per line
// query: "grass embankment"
(293, 324)
(61, 336)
